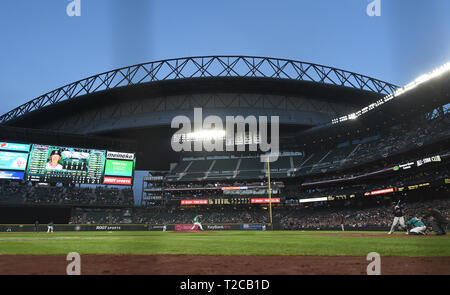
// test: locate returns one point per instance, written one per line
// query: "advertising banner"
(15, 147)
(379, 192)
(120, 156)
(194, 202)
(117, 180)
(260, 192)
(264, 200)
(234, 188)
(11, 175)
(74, 227)
(218, 227)
(13, 161)
(156, 227)
(428, 160)
(251, 227)
(182, 227)
(119, 168)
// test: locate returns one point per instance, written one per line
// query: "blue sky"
(43, 48)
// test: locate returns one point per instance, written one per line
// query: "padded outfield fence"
(5, 228)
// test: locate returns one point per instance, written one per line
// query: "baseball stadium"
(355, 165)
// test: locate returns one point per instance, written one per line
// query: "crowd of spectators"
(207, 190)
(356, 213)
(77, 196)
(12, 193)
(364, 185)
(100, 216)
(380, 216)
(23, 193)
(213, 215)
(114, 196)
(292, 190)
(402, 137)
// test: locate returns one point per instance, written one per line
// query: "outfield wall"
(121, 227)
(159, 227)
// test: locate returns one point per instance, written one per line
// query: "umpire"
(438, 222)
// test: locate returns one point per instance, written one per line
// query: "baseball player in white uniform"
(50, 227)
(197, 222)
(398, 218)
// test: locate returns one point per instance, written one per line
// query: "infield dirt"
(220, 265)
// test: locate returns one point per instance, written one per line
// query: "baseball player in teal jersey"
(50, 226)
(418, 227)
(197, 222)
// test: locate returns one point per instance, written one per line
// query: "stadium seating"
(12, 193)
(380, 216)
(100, 216)
(392, 141)
(225, 165)
(17, 193)
(232, 168)
(289, 217)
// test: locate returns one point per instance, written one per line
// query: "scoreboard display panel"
(13, 160)
(119, 168)
(65, 165)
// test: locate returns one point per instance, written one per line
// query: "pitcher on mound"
(197, 222)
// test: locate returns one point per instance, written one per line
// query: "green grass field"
(223, 243)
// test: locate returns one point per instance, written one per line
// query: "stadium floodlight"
(321, 199)
(419, 80)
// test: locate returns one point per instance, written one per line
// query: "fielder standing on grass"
(398, 218)
(50, 227)
(197, 222)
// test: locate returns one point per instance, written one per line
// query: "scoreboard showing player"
(65, 165)
(56, 164)
(119, 168)
(13, 160)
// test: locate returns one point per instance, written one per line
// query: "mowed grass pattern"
(223, 243)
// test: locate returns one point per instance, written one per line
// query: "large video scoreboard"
(62, 164)
(56, 164)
